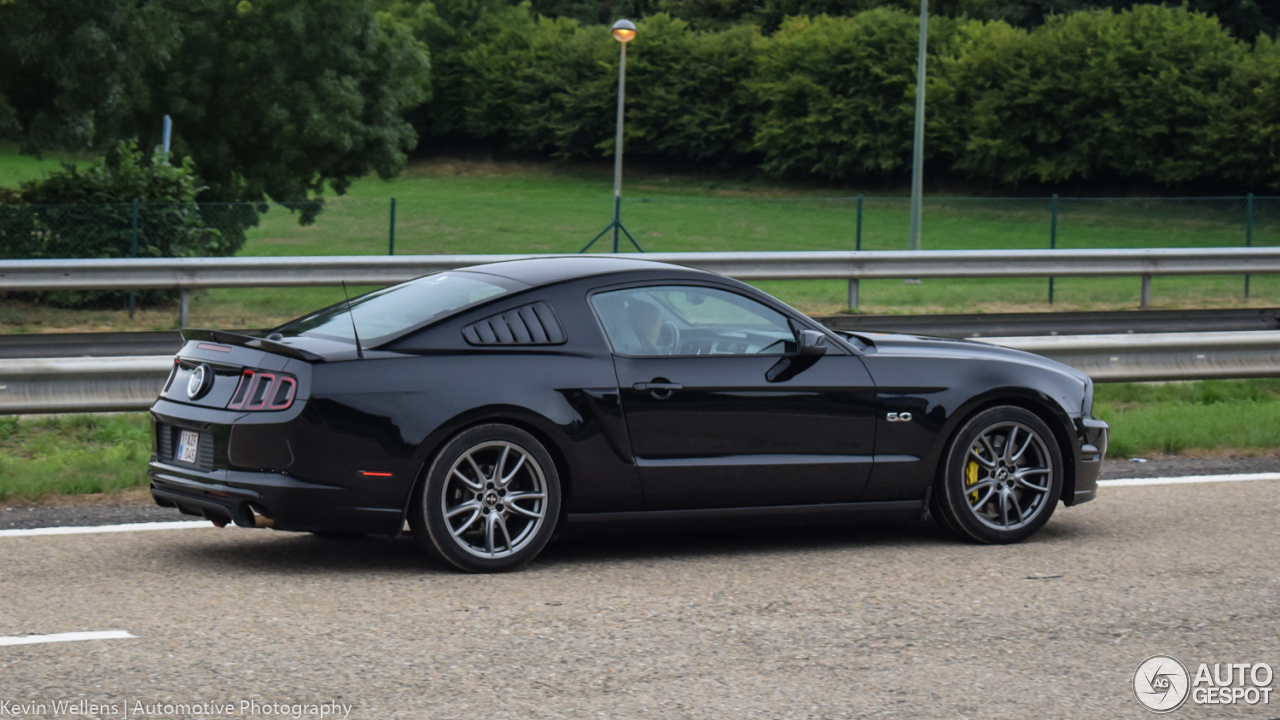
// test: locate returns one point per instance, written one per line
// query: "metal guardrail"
(62, 385)
(97, 344)
(1159, 356)
(37, 385)
(194, 273)
(54, 385)
(117, 344)
(197, 273)
(1028, 324)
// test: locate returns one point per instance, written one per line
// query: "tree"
(71, 70)
(538, 85)
(687, 96)
(1120, 95)
(1243, 135)
(837, 95)
(769, 14)
(1246, 19)
(275, 100)
(280, 98)
(595, 12)
(79, 213)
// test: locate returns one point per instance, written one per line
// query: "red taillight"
(263, 391)
(258, 391)
(242, 390)
(282, 394)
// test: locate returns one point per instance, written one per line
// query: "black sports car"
(494, 406)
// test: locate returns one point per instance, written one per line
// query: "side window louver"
(532, 324)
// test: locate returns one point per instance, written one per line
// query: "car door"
(712, 421)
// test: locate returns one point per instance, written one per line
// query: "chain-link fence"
(506, 224)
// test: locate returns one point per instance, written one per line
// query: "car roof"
(546, 270)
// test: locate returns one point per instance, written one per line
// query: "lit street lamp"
(624, 31)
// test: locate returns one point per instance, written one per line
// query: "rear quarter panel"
(398, 408)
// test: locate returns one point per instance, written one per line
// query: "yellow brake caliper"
(971, 478)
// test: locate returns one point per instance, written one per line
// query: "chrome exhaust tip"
(260, 518)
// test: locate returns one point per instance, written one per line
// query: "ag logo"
(1161, 683)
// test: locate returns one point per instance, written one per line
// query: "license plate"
(188, 443)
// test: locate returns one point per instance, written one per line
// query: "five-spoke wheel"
(1001, 478)
(490, 500)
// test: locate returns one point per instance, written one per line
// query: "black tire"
(472, 518)
(991, 490)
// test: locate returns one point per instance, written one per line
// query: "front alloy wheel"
(490, 500)
(1002, 477)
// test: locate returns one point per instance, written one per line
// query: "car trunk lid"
(212, 364)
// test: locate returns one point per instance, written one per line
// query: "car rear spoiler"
(250, 341)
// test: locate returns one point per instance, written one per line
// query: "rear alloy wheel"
(490, 500)
(1002, 477)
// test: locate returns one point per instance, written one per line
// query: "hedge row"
(1152, 94)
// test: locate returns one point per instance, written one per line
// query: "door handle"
(657, 387)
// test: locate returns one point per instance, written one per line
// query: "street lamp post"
(624, 31)
(917, 151)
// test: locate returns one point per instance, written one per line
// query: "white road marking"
(66, 637)
(1242, 477)
(131, 527)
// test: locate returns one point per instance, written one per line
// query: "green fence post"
(133, 252)
(391, 247)
(858, 242)
(1053, 238)
(1248, 235)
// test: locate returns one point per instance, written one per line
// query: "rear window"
(383, 314)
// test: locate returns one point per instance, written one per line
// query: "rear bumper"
(235, 496)
(1093, 448)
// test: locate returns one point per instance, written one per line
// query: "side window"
(690, 320)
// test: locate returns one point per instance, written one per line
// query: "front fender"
(941, 393)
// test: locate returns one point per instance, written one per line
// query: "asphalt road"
(877, 621)
(136, 506)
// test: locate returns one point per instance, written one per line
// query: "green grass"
(468, 207)
(1211, 415)
(101, 453)
(72, 454)
(16, 168)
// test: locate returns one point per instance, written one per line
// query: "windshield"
(382, 314)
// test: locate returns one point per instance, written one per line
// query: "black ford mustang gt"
(493, 406)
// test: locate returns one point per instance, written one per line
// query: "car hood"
(926, 346)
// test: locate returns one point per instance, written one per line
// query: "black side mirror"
(812, 343)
